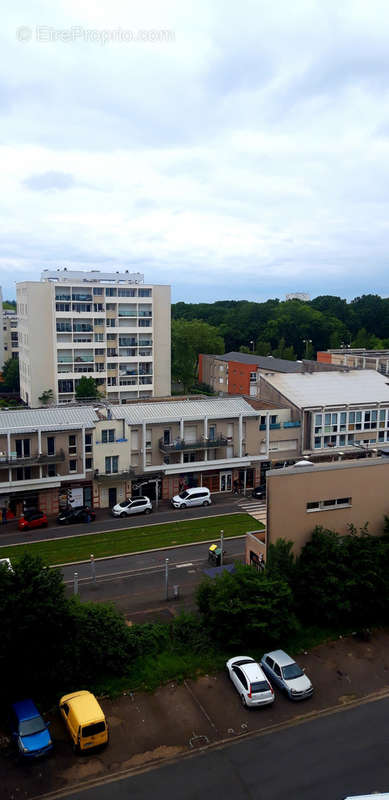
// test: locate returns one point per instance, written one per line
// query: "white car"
(136, 505)
(287, 675)
(5, 562)
(196, 496)
(250, 681)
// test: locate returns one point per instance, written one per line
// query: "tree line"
(290, 329)
(51, 644)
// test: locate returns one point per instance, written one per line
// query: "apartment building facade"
(108, 326)
(10, 334)
(99, 455)
(340, 413)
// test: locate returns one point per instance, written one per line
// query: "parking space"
(179, 718)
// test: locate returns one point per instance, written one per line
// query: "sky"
(232, 150)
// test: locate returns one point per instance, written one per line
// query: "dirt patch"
(82, 770)
(153, 755)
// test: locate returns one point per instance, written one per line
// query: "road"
(343, 754)
(10, 534)
(136, 583)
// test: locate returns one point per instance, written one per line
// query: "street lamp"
(252, 345)
(307, 342)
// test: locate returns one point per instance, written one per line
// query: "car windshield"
(259, 686)
(183, 495)
(292, 671)
(125, 503)
(31, 726)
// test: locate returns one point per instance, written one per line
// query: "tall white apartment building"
(10, 335)
(109, 326)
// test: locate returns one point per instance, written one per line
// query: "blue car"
(29, 730)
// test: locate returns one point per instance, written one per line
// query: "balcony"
(296, 424)
(35, 458)
(181, 445)
(273, 426)
(126, 475)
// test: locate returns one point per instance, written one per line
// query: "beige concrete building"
(332, 494)
(356, 358)
(108, 326)
(10, 334)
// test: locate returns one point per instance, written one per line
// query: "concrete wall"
(365, 481)
(162, 340)
(36, 340)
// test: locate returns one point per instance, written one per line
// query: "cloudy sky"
(234, 150)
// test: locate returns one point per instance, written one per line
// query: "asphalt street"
(9, 534)
(330, 758)
(137, 582)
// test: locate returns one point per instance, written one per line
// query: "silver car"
(249, 681)
(286, 675)
(136, 505)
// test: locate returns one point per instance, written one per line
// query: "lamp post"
(307, 342)
(252, 345)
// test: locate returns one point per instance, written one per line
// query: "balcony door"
(190, 434)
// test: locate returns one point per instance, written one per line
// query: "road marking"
(140, 571)
(189, 564)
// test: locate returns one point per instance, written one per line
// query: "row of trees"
(292, 329)
(337, 581)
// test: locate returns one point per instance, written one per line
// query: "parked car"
(78, 514)
(32, 519)
(287, 675)
(259, 492)
(5, 562)
(84, 719)
(196, 496)
(29, 730)
(134, 505)
(250, 681)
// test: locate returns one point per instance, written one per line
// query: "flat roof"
(326, 466)
(316, 389)
(180, 409)
(264, 362)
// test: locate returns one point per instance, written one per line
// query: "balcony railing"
(198, 444)
(296, 424)
(34, 458)
(115, 476)
(273, 426)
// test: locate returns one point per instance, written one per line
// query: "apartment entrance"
(112, 496)
(226, 481)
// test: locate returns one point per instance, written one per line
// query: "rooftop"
(319, 389)
(264, 362)
(91, 276)
(78, 416)
(357, 463)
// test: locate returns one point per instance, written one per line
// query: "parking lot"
(179, 718)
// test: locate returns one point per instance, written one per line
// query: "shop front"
(76, 494)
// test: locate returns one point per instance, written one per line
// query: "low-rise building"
(356, 358)
(101, 454)
(338, 411)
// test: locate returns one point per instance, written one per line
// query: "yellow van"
(84, 719)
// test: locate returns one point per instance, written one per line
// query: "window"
(88, 463)
(108, 435)
(97, 290)
(326, 505)
(111, 307)
(73, 465)
(253, 377)
(50, 445)
(144, 292)
(212, 433)
(72, 445)
(88, 442)
(22, 448)
(111, 464)
(110, 293)
(166, 436)
(127, 293)
(51, 470)
(273, 419)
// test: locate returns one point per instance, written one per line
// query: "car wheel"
(123, 514)
(183, 505)
(243, 699)
(206, 503)
(147, 510)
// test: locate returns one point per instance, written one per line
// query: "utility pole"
(221, 547)
(75, 583)
(93, 568)
(167, 578)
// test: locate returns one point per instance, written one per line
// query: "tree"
(86, 389)
(246, 608)
(11, 375)
(46, 397)
(188, 340)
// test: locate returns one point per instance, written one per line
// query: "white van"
(197, 496)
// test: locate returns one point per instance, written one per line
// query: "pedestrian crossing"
(256, 508)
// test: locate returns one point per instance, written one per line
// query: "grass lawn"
(132, 540)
